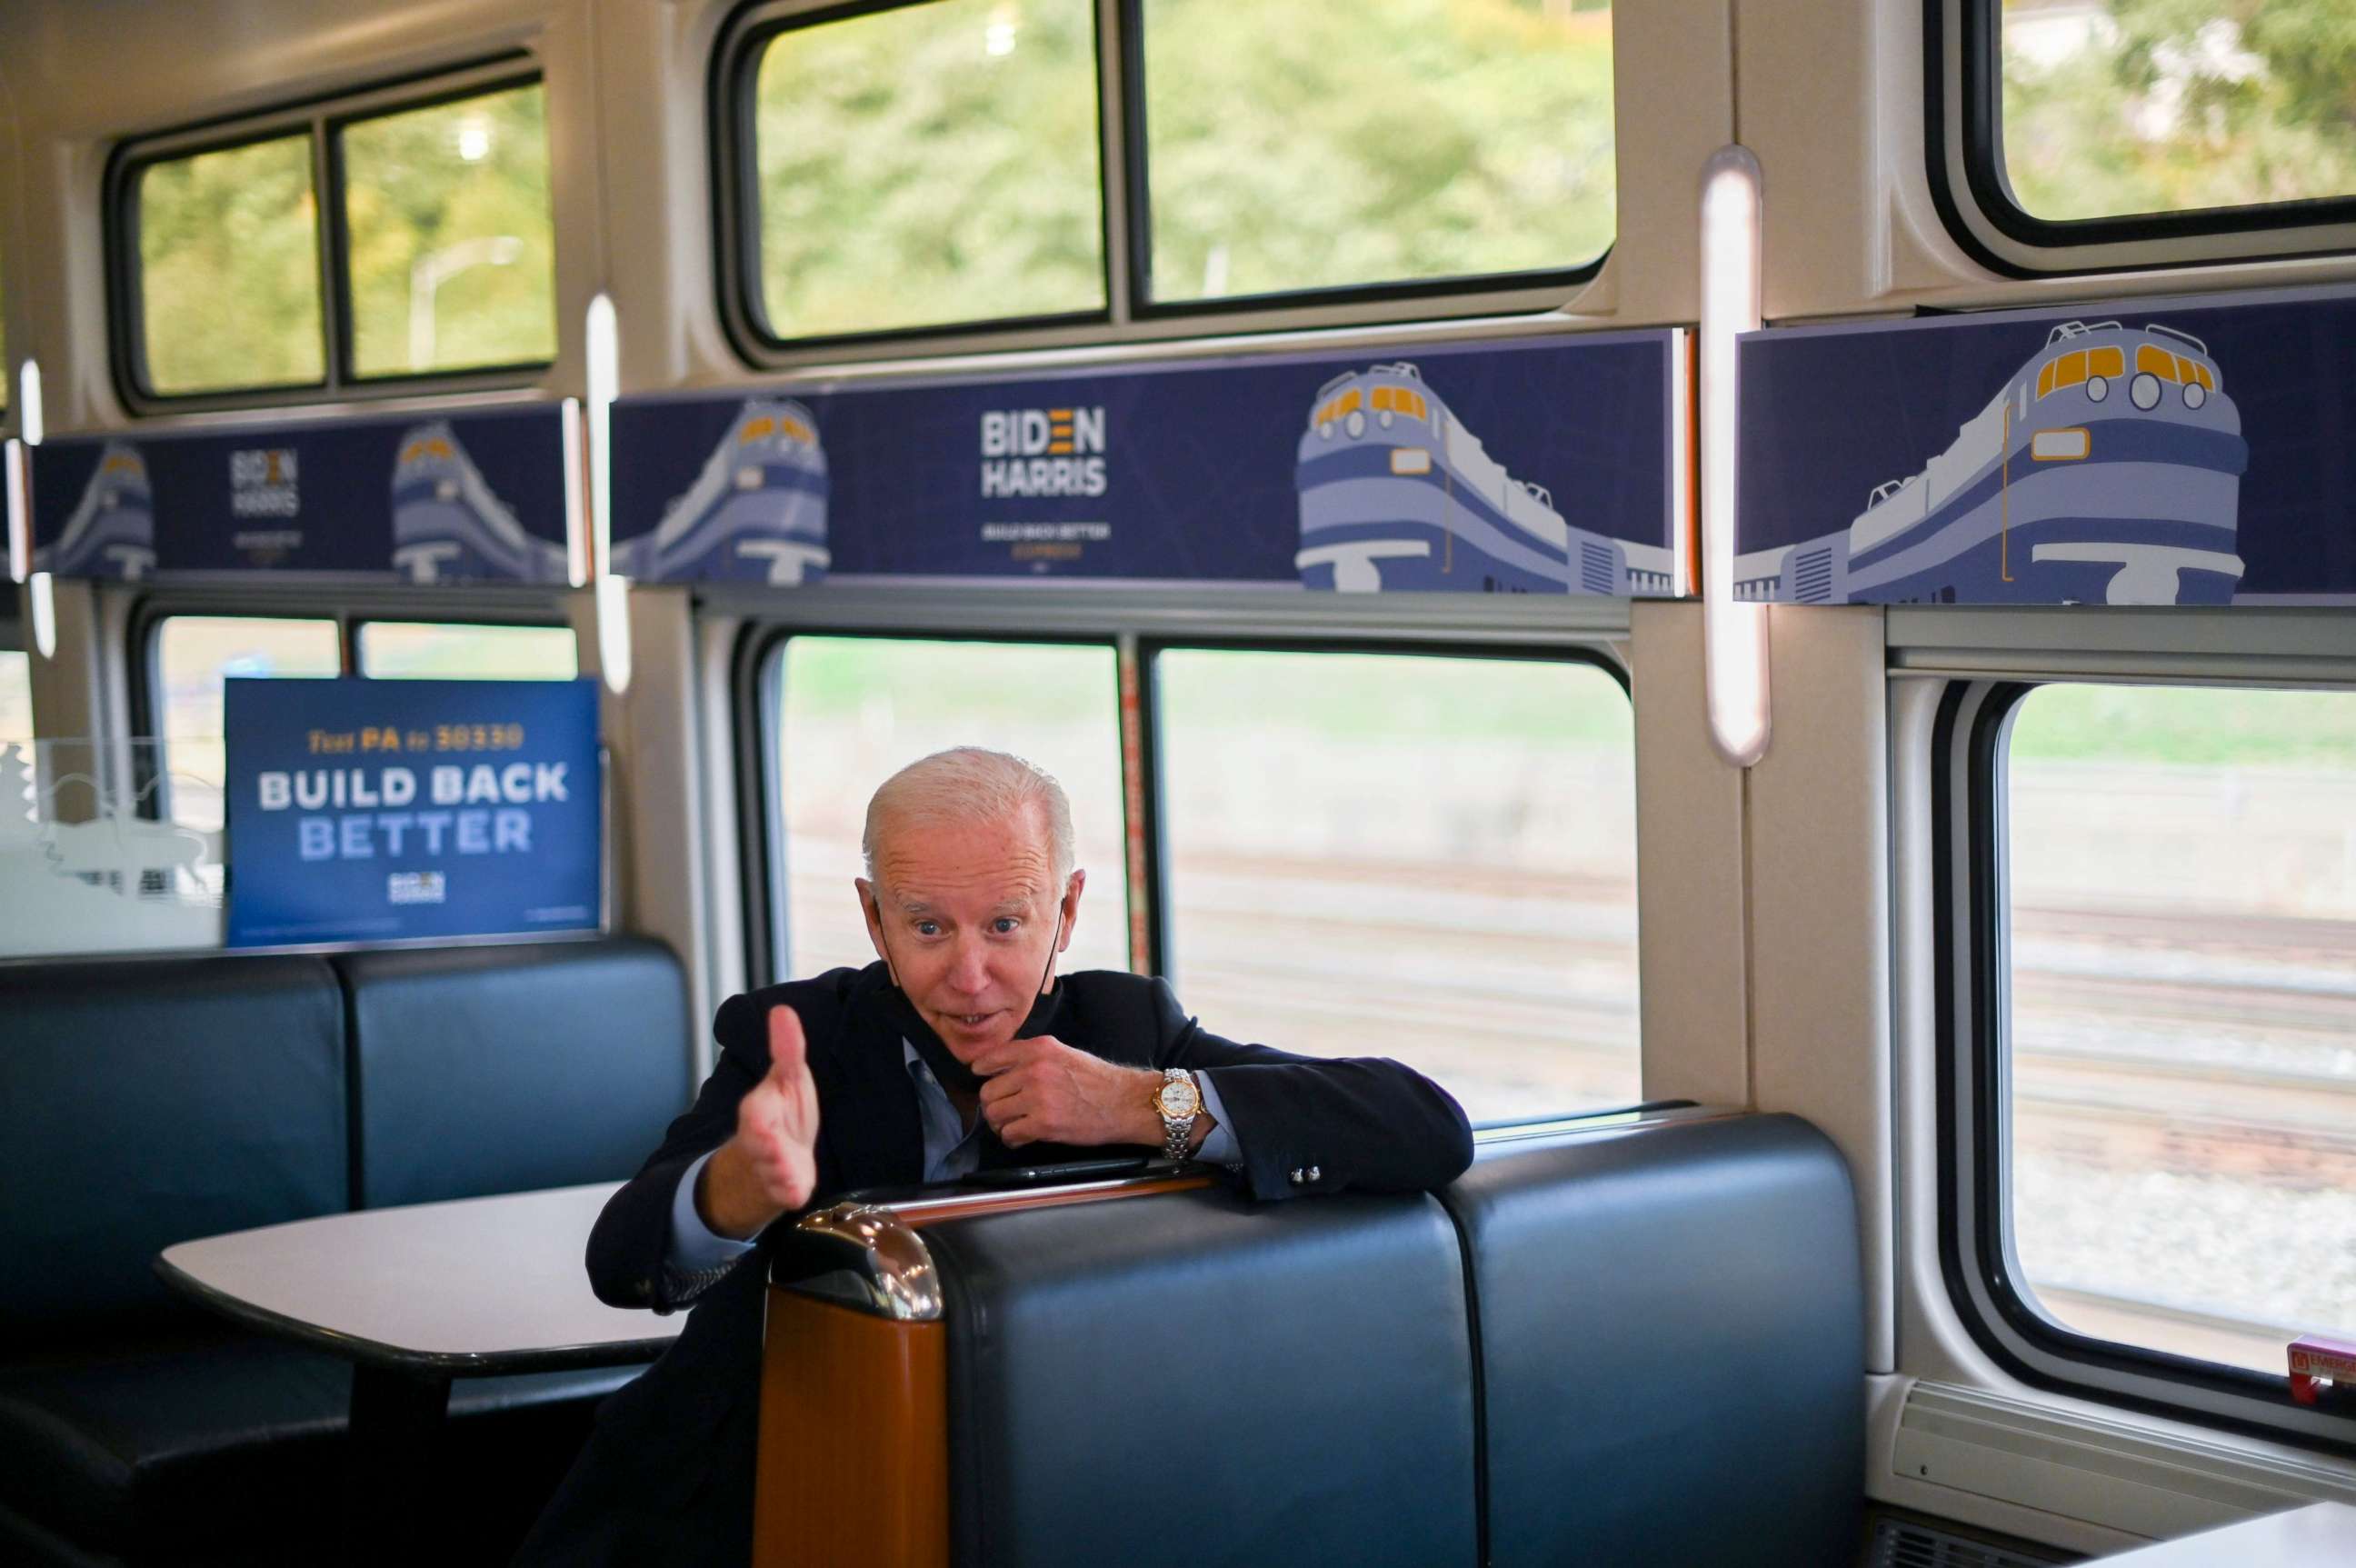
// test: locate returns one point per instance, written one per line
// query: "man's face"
(965, 913)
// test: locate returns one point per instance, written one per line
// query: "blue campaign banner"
(2147, 452)
(1512, 466)
(385, 810)
(480, 496)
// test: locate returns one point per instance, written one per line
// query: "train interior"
(1759, 588)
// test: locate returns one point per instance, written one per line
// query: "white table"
(413, 1297)
(2321, 1535)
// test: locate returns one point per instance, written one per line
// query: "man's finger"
(1016, 1133)
(788, 1052)
(999, 1088)
(1012, 1054)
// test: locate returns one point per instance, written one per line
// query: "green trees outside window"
(2150, 106)
(446, 252)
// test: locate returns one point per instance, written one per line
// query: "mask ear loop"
(1044, 974)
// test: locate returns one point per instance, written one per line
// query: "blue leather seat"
(148, 1102)
(1672, 1361)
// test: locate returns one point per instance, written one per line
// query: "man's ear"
(1072, 906)
(871, 909)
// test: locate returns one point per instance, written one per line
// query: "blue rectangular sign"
(2147, 452)
(383, 810)
(480, 496)
(1545, 466)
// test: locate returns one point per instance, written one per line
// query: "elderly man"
(961, 1049)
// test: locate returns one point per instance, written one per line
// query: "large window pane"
(1316, 144)
(2182, 875)
(1427, 858)
(228, 269)
(458, 651)
(857, 710)
(451, 254)
(2140, 106)
(927, 165)
(194, 654)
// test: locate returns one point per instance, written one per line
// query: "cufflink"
(1314, 1173)
(1296, 1175)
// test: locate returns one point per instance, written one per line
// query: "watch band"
(1178, 1133)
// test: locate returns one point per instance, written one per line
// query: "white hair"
(968, 784)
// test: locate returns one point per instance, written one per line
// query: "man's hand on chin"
(1040, 1090)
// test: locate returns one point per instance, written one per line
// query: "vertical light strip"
(20, 516)
(576, 515)
(1681, 488)
(28, 403)
(604, 356)
(40, 587)
(1734, 635)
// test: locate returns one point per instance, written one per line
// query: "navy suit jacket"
(667, 1477)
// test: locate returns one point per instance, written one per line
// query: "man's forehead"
(1001, 861)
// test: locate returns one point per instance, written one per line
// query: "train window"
(2153, 106)
(851, 711)
(926, 164)
(450, 236)
(228, 269)
(1322, 145)
(1448, 875)
(2180, 879)
(391, 649)
(2077, 135)
(193, 656)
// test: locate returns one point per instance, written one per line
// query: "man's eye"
(929, 927)
(1005, 925)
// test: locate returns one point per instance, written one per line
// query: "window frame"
(142, 637)
(1963, 103)
(321, 121)
(1530, 629)
(1130, 314)
(1971, 896)
(758, 674)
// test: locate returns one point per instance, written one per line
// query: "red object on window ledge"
(2315, 1361)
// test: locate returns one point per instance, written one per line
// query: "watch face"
(1178, 1099)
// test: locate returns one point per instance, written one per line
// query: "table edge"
(375, 1353)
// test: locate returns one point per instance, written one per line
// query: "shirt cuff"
(1221, 1148)
(695, 1248)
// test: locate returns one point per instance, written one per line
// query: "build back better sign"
(384, 810)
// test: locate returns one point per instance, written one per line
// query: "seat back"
(1671, 1328)
(503, 1068)
(1193, 1378)
(145, 1102)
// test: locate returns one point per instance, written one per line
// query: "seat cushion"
(207, 1439)
(153, 1101)
(1671, 1328)
(176, 1446)
(490, 1070)
(1294, 1377)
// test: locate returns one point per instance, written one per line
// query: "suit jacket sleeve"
(631, 1240)
(1364, 1122)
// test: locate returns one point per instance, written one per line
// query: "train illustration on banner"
(112, 533)
(757, 513)
(1396, 494)
(2107, 471)
(449, 526)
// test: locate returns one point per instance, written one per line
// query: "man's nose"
(970, 969)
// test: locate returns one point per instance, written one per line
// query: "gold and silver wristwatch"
(1177, 1102)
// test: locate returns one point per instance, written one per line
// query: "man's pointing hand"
(770, 1166)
